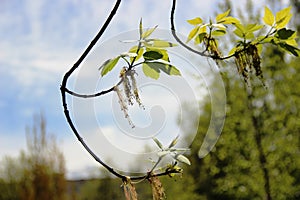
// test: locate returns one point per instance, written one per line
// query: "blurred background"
(40, 157)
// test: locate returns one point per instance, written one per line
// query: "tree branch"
(63, 89)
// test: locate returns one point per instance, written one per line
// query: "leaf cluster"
(248, 45)
(151, 51)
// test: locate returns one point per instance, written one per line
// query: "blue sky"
(40, 40)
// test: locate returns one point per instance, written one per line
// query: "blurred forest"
(256, 157)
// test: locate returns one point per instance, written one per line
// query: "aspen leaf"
(195, 21)
(268, 18)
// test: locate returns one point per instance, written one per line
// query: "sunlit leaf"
(240, 27)
(108, 65)
(232, 51)
(238, 33)
(253, 27)
(230, 20)
(182, 158)
(192, 34)
(195, 21)
(221, 16)
(292, 42)
(219, 26)
(283, 17)
(218, 33)
(150, 71)
(199, 38)
(165, 67)
(161, 43)
(268, 18)
(249, 35)
(148, 32)
(291, 49)
(152, 55)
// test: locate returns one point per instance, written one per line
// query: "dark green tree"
(257, 155)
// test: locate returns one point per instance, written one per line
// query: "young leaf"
(219, 26)
(159, 144)
(166, 68)
(108, 65)
(200, 38)
(182, 158)
(148, 32)
(139, 53)
(221, 16)
(268, 18)
(192, 34)
(141, 28)
(230, 20)
(253, 27)
(291, 49)
(150, 71)
(174, 142)
(152, 55)
(238, 33)
(195, 21)
(283, 17)
(163, 52)
(218, 33)
(162, 44)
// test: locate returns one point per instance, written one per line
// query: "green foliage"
(248, 44)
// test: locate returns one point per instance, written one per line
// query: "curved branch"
(173, 30)
(63, 90)
(178, 39)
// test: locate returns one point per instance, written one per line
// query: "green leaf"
(195, 21)
(268, 18)
(230, 20)
(174, 142)
(221, 16)
(161, 43)
(253, 27)
(182, 158)
(168, 69)
(148, 32)
(238, 33)
(152, 55)
(218, 33)
(108, 65)
(283, 17)
(219, 26)
(165, 67)
(150, 71)
(159, 144)
(139, 53)
(291, 49)
(285, 34)
(199, 38)
(193, 33)
(292, 42)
